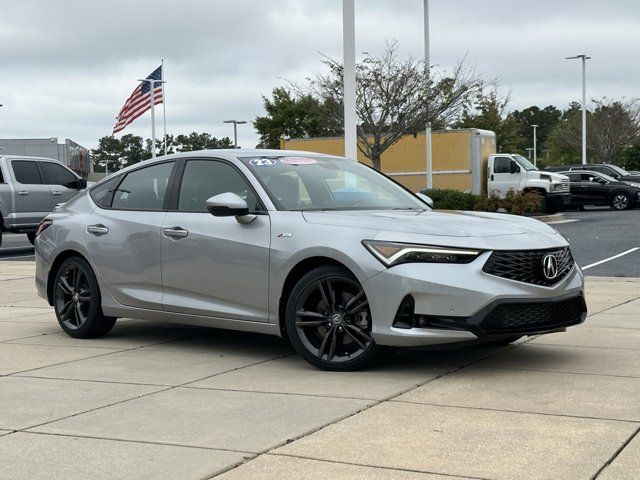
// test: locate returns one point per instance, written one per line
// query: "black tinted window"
(203, 179)
(502, 165)
(55, 174)
(26, 172)
(143, 189)
(573, 177)
(103, 193)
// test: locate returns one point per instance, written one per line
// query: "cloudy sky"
(67, 66)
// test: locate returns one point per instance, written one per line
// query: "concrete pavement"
(156, 400)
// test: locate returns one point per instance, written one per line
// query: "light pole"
(235, 130)
(349, 80)
(584, 59)
(427, 65)
(535, 147)
(152, 99)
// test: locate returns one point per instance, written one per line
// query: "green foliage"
(448, 199)
(130, 149)
(516, 203)
(298, 116)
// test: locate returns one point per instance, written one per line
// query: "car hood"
(440, 223)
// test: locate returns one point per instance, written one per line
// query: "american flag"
(140, 101)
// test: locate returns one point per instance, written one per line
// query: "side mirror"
(81, 184)
(425, 198)
(229, 205)
(514, 167)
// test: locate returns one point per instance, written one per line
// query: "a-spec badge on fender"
(285, 235)
(550, 266)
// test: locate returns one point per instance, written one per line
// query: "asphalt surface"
(15, 247)
(595, 235)
(599, 234)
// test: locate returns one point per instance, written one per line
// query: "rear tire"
(329, 322)
(32, 237)
(77, 300)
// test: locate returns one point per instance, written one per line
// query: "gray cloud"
(69, 65)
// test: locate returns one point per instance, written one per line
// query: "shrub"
(485, 203)
(448, 199)
(522, 203)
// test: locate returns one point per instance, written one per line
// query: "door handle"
(97, 230)
(56, 193)
(23, 192)
(175, 232)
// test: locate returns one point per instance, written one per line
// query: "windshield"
(524, 163)
(328, 183)
(620, 171)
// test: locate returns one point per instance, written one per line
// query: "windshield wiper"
(415, 209)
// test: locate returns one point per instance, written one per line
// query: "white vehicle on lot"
(508, 171)
(30, 188)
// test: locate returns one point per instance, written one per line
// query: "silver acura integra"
(321, 250)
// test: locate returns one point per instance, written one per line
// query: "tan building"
(459, 157)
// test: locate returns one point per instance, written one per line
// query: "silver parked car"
(324, 251)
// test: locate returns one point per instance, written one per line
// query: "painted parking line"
(627, 252)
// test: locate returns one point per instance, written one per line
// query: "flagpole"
(164, 108)
(152, 98)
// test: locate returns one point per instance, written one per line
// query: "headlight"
(633, 184)
(393, 253)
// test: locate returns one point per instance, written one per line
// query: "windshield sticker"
(263, 162)
(298, 160)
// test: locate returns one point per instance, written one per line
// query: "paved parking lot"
(154, 400)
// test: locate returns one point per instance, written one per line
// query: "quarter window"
(103, 193)
(202, 179)
(143, 189)
(26, 172)
(58, 175)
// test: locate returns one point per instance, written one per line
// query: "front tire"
(77, 301)
(620, 201)
(329, 322)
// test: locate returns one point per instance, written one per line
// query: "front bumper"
(456, 300)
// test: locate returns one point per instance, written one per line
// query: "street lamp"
(535, 151)
(235, 130)
(584, 59)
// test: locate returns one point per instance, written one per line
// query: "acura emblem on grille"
(550, 266)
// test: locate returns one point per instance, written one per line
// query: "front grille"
(565, 185)
(532, 317)
(526, 265)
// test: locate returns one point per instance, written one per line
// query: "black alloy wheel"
(76, 300)
(329, 321)
(620, 201)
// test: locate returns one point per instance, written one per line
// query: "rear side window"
(55, 174)
(103, 193)
(26, 172)
(143, 189)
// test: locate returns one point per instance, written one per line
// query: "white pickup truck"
(30, 188)
(509, 171)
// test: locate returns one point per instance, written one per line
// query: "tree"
(119, 153)
(612, 128)
(546, 119)
(295, 116)
(201, 141)
(488, 112)
(394, 97)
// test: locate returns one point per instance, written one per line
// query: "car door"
(505, 176)
(577, 188)
(32, 196)
(596, 189)
(215, 266)
(62, 182)
(123, 234)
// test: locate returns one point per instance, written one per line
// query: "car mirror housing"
(229, 205)
(425, 198)
(81, 183)
(514, 168)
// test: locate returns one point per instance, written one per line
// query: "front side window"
(143, 189)
(502, 165)
(203, 179)
(26, 172)
(55, 174)
(328, 183)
